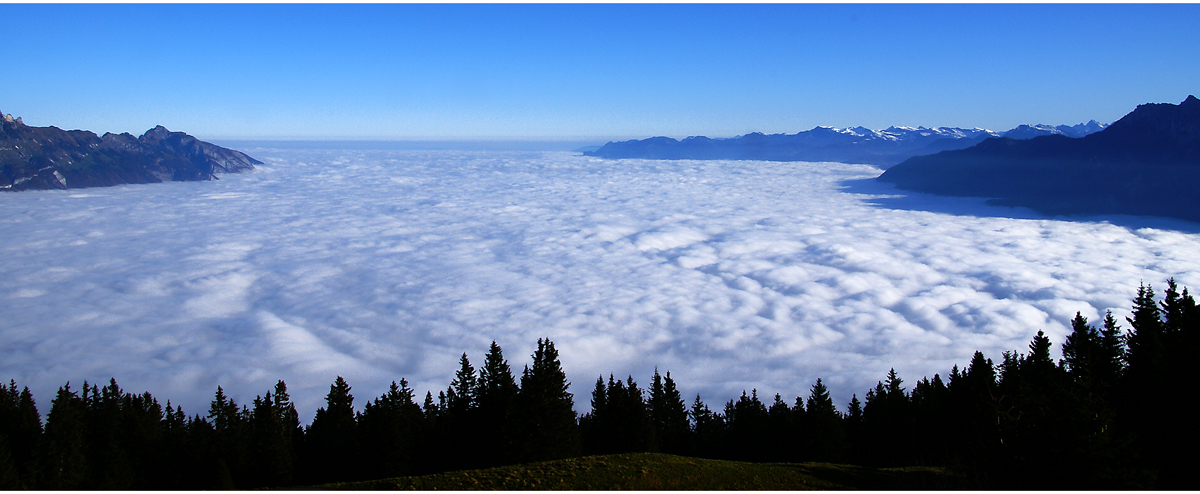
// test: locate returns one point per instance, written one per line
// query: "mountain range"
(1146, 163)
(51, 158)
(850, 145)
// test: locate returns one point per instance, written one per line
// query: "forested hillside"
(1109, 414)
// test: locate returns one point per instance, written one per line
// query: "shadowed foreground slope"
(654, 471)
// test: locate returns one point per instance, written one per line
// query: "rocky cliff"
(51, 158)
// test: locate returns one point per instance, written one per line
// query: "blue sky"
(586, 71)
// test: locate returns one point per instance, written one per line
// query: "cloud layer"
(377, 265)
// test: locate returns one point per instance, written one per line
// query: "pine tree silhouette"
(62, 462)
(1092, 421)
(748, 426)
(826, 435)
(272, 425)
(459, 426)
(930, 407)
(392, 432)
(331, 441)
(546, 427)
(669, 414)
(21, 430)
(708, 431)
(497, 398)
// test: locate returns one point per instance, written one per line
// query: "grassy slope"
(651, 471)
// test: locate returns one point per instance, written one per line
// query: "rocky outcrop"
(34, 158)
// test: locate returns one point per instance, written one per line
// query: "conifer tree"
(331, 441)
(619, 421)
(669, 413)
(634, 425)
(854, 409)
(392, 432)
(819, 402)
(593, 435)
(1081, 349)
(141, 437)
(801, 426)
(887, 422)
(229, 424)
(748, 428)
(979, 405)
(223, 414)
(547, 424)
(708, 430)
(178, 453)
(62, 462)
(1040, 367)
(930, 402)
(272, 427)
(1145, 375)
(429, 408)
(10, 480)
(289, 417)
(1145, 340)
(1171, 371)
(786, 445)
(827, 438)
(1173, 310)
(852, 423)
(459, 426)
(207, 469)
(600, 396)
(1087, 444)
(1031, 413)
(110, 461)
(981, 375)
(497, 398)
(463, 388)
(1111, 360)
(21, 429)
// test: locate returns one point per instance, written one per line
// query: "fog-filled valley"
(377, 265)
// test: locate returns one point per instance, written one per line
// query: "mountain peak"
(158, 132)
(51, 158)
(8, 118)
(1154, 122)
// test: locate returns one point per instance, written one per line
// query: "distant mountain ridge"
(1031, 131)
(1146, 163)
(33, 158)
(850, 145)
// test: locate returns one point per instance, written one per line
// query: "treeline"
(1111, 413)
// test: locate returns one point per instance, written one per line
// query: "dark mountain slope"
(52, 158)
(1146, 163)
(854, 145)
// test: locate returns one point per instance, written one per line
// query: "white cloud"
(382, 265)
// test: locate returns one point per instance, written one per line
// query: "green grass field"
(652, 471)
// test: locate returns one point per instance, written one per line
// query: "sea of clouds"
(377, 265)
